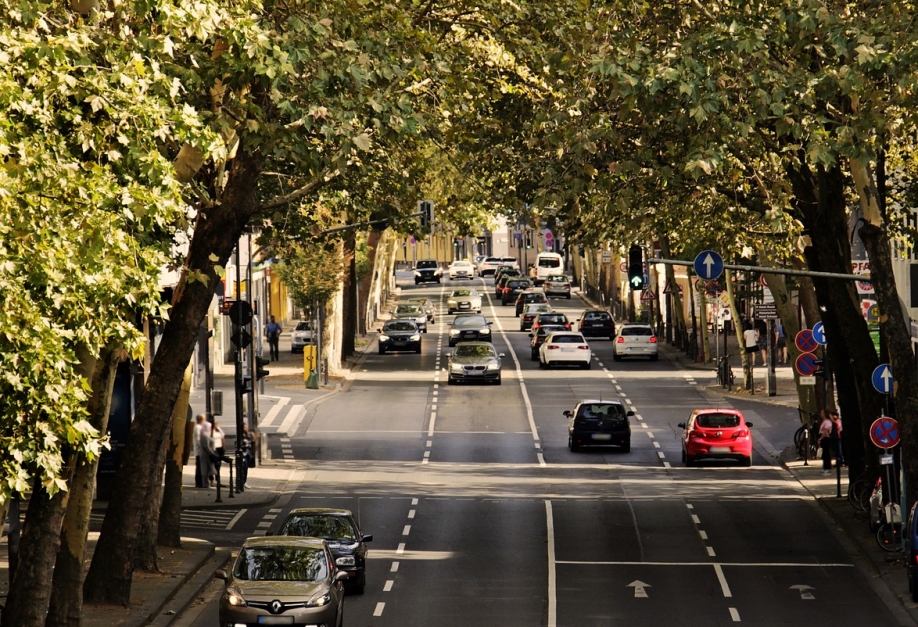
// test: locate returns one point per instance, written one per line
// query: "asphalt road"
(481, 515)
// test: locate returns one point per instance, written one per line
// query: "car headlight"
(456, 368)
(319, 600)
(234, 597)
(416, 337)
(346, 560)
(454, 331)
(485, 330)
(451, 303)
(416, 273)
(383, 338)
(493, 366)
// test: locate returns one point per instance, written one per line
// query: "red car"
(716, 434)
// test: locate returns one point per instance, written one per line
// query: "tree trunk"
(788, 315)
(738, 331)
(30, 592)
(893, 323)
(66, 604)
(169, 528)
(349, 304)
(216, 233)
(819, 199)
(678, 308)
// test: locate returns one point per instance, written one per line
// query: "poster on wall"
(861, 266)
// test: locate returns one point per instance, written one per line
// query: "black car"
(399, 335)
(537, 337)
(512, 289)
(339, 529)
(502, 270)
(427, 271)
(474, 362)
(599, 423)
(552, 318)
(529, 297)
(469, 328)
(596, 323)
(500, 283)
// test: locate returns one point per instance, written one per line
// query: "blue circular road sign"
(708, 265)
(882, 379)
(819, 333)
(806, 364)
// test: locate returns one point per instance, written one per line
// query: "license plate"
(475, 373)
(469, 334)
(602, 436)
(464, 305)
(399, 342)
(275, 620)
(720, 449)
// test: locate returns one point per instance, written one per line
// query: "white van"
(548, 264)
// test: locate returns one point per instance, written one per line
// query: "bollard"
(806, 446)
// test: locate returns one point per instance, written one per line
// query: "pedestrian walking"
(836, 433)
(219, 440)
(827, 442)
(751, 342)
(196, 447)
(272, 334)
(780, 343)
(208, 455)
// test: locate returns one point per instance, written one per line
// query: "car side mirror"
(221, 574)
(530, 335)
(681, 425)
(490, 323)
(567, 413)
(748, 424)
(368, 538)
(502, 355)
(629, 413)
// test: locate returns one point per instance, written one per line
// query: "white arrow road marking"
(805, 595)
(640, 588)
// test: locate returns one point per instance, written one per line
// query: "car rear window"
(597, 315)
(598, 411)
(568, 339)
(637, 331)
(518, 283)
(549, 262)
(557, 278)
(717, 421)
(535, 298)
(510, 259)
(545, 318)
(427, 264)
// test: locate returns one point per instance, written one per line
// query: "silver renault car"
(283, 580)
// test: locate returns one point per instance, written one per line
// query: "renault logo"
(276, 607)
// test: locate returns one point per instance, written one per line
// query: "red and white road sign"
(648, 295)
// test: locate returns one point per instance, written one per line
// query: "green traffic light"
(637, 282)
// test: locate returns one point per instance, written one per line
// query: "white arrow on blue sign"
(708, 265)
(882, 379)
(819, 333)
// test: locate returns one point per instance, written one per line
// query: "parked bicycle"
(806, 438)
(725, 372)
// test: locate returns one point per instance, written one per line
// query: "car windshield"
(636, 331)
(555, 317)
(567, 339)
(598, 411)
(337, 528)
(302, 326)
(597, 315)
(399, 326)
(426, 264)
(717, 421)
(549, 262)
(470, 321)
(408, 309)
(475, 350)
(281, 563)
(462, 293)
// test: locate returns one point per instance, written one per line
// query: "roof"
(304, 542)
(304, 511)
(610, 401)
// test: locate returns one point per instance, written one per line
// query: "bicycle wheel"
(889, 537)
(861, 491)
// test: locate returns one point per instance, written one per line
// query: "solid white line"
(271, 416)
(235, 519)
(552, 584)
(292, 416)
(734, 614)
(388, 586)
(715, 564)
(379, 609)
(724, 587)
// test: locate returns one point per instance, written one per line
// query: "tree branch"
(302, 192)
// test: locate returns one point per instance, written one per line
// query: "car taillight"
(620, 340)
(552, 347)
(567, 325)
(653, 339)
(584, 347)
(741, 433)
(697, 435)
(567, 285)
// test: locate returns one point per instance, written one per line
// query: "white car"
(461, 270)
(635, 340)
(463, 301)
(488, 265)
(565, 348)
(300, 336)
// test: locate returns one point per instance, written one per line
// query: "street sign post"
(708, 264)
(819, 333)
(882, 379)
(884, 432)
(607, 256)
(804, 341)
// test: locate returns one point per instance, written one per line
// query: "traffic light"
(636, 267)
(820, 367)
(240, 314)
(581, 251)
(455, 242)
(426, 209)
(260, 372)
(528, 239)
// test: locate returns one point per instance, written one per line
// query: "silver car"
(472, 362)
(464, 301)
(635, 340)
(428, 306)
(415, 313)
(301, 336)
(283, 580)
(557, 285)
